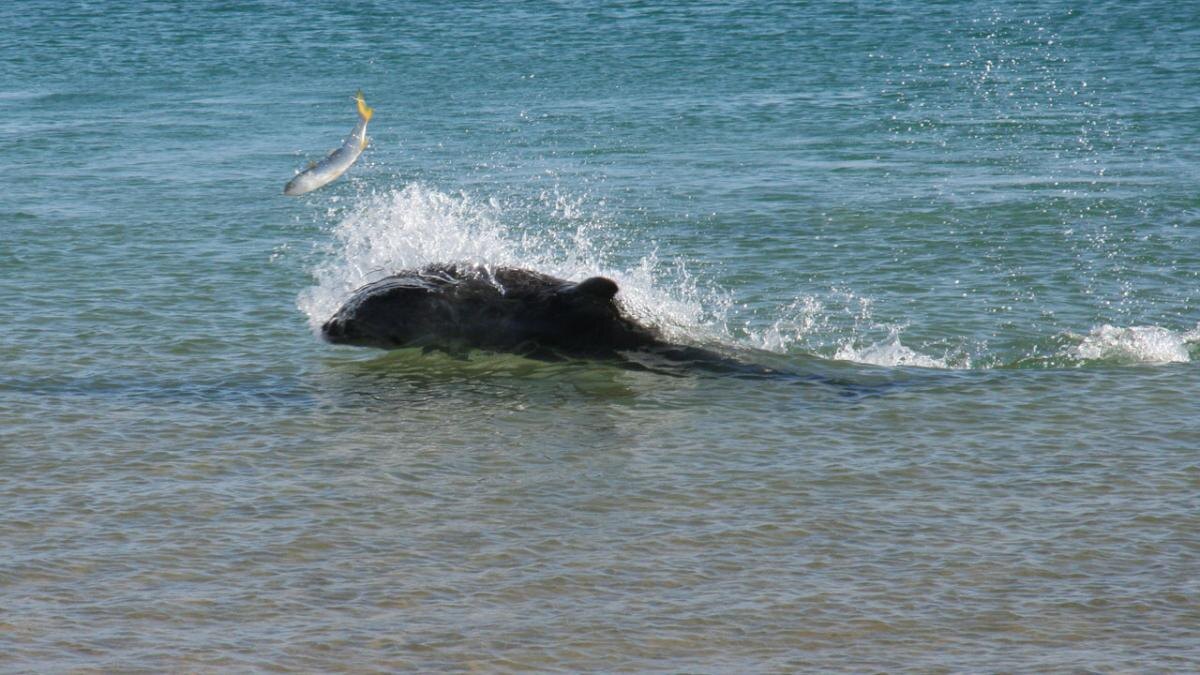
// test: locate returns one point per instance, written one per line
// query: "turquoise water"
(978, 224)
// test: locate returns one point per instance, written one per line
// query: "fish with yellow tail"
(327, 170)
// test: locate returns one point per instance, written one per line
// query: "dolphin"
(458, 307)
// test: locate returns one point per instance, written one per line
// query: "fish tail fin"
(364, 111)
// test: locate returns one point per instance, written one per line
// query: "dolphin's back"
(457, 307)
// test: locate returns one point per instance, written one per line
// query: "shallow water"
(963, 236)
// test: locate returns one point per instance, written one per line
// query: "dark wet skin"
(455, 308)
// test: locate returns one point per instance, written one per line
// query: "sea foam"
(890, 353)
(1135, 344)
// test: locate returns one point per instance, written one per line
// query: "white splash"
(843, 325)
(418, 225)
(1135, 344)
(890, 353)
(793, 325)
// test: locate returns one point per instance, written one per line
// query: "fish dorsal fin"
(312, 164)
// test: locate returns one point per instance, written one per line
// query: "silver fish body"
(338, 161)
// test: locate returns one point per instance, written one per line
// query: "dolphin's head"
(344, 328)
(383, 314)
(339, 330)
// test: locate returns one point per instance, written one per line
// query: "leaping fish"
(328, 169)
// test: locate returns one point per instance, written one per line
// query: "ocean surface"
(963, 236)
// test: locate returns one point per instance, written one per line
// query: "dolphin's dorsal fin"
(597, 287)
